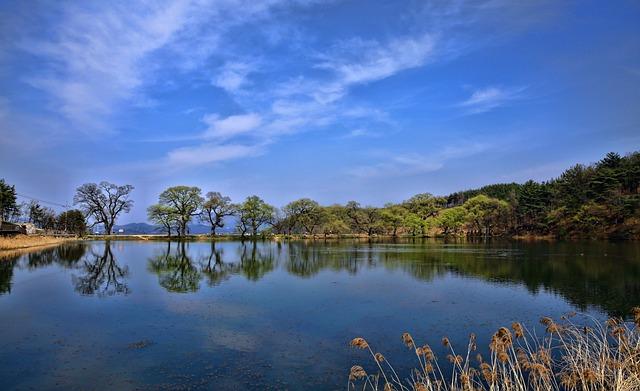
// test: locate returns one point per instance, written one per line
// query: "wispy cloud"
(411, 163)
(210, 153)
(487, 99)
(232, 76)
(101, 55)
(232, 126)
(94, 58)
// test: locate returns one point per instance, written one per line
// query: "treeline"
(41, 217)
(596, 201)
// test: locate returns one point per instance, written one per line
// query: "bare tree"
(103, 202)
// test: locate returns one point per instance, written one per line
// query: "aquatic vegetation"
(591, 355)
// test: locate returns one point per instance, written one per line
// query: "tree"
(451, 220)
(72, 221)
(41, 217)
(424, 205)
(8, 204)
(393, 217)
(215, 208)
(254, 213)
(485, 214)
(305, 214)
(414, 223)
(367, 220)
(103, 202)
(163, 216)
(333, 223)
(185, 202)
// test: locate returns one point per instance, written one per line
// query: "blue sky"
(337, 100)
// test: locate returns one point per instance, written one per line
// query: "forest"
(597, 201)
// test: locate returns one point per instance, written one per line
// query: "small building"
(31, 229)
(7, 228)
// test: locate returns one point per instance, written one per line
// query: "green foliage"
(164, 216)
(9, 209)
(253, 214)
(486, 215)
(215, 208)
(185, 202)
(597, 201)
(451, 220)
(72, 221)
(303, 215)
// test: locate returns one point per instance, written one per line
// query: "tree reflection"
(6, 273)
(69, 254)
(215, 269)
(102, 275)
(254, 263)
(175, 270)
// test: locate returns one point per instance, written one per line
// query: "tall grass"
(25, 241)
(570, 356)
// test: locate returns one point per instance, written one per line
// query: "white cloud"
(210, 153)
(233, 76)
(94, 58)
(100, 55)
(489, 98)
(375, 61)
(231, 126)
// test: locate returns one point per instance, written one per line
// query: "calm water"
(140, 315)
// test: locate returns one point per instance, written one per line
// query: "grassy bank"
(590, 355)
(20, 242)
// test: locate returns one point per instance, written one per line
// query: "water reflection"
(101, 274)
(175, 270)
(605, 275)
(66, 256)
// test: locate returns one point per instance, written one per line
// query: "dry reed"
(25, 241)
(571, 357)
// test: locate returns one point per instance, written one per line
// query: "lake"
(268, 315)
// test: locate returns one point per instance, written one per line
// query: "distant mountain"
(146, 229)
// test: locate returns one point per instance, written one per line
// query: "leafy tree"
(414, 224)
(334, 222)
(451, 220)
(72, 221)
(103, 202)
(424, 205)
(485, 214)
(164, 216)
(304, 214)
(9, 209)
(185, 203)
(215, 208)
(253, 214)
(392, 218)
(367, 220)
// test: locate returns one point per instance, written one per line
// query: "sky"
(373, 101)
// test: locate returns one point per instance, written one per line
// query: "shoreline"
(21, 243)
